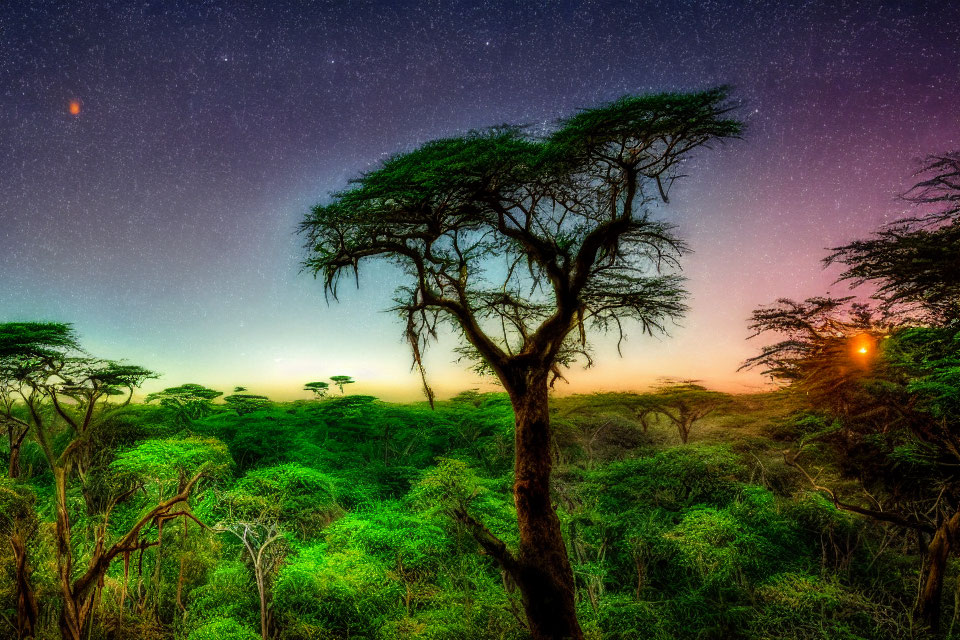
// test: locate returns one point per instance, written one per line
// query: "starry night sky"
(161, 218)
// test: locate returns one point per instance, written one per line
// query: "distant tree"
(521, 244)
(645, 410)
(684, 403)
(188, 402)
(341, 381)
(319, 389)
(244, 403)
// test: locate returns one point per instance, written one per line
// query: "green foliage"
(806, 607)
(931, 357)
(302, 499)
(172, 460)
(244, 403)
(229, 594)
(665, 542)
(345, 594)
(223, 629)
(187, 403)
(16, 506)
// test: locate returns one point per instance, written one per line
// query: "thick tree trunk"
(27, 609)
(944, 542)
(543, 572)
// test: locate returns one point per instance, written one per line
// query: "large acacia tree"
(522, 244)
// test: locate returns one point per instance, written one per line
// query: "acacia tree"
(914, 263)
(894, 383)
(22, 346)
(342, 381)
(521, 244)
(685, 402)
(891, 394)
(244, 403)
(188, 402)
(319, 389)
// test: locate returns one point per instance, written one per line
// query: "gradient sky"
(160, 220)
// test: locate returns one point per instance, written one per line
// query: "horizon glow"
(157, 211)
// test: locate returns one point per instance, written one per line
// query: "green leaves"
(244, 403)
(169, 460)
(638, 130)
(37, 339)
(188, 402)
(301, 499)
(523, 242)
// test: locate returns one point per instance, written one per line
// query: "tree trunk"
(13, 470)
(71, 622)
(944, 540)
(543, 572)
(27, 609)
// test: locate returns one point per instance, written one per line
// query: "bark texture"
(542, 572)
(945, 541)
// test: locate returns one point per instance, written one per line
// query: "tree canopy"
(517, 239)
(914, 262)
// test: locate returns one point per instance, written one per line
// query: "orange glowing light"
(74, 107)
(862, 347)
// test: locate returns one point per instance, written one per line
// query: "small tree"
(258, 509)
(244, 403)
(522, 244)
(319, 389)
(342, 381)
(685, 402)
(263, 544)
(188, 402)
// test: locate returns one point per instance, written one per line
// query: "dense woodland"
(827, 509)
(340, 511)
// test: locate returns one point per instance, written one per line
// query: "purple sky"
(160, 219)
